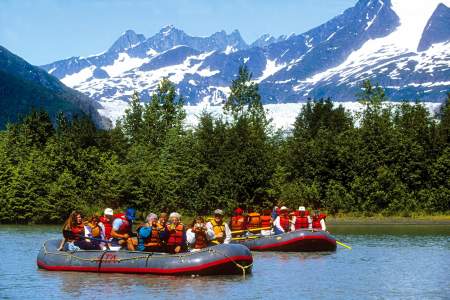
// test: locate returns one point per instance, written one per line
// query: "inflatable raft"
(296, 241)
(216, 260)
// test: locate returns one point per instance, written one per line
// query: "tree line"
(386, 159)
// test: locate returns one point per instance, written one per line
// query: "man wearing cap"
(222, 232)
(283, 223)
(122, 229)
(106, 222)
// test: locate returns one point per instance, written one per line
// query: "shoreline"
(342, 219)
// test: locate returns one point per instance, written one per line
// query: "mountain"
(23, 87)
(402, 45)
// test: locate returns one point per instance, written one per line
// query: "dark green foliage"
(387, 159)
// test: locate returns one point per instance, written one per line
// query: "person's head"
(316, 213)
(163, 217)
(284, 210)
(75, 218)
(152, 219)
(108, 214)
(238, 211)
(198, 221)
(266, 212)
(130, 214)
(94, 219)
(218, 215)
(175, 218)
(302, 210)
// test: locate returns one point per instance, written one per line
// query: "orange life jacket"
(200, 239)
(301, 221)
(237, 223)
(96, 230)
(285, 222)
(254, 220)
(175, 235)
(153, 240)
(316, 221)
(266, 221)
(77, 231)
(218, 229)
(107, 225)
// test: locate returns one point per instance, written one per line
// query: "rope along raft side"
(216, 260)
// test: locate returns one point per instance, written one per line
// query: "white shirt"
(190, 236)
(276, 224)
(227, 231)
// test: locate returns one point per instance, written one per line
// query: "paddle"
(246, 238)
(254, 229)
(344, 245)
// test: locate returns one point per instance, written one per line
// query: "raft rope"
(146, 256)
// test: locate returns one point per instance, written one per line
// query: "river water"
(386, 262)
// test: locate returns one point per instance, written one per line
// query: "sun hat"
(108, 212)
(218, 212)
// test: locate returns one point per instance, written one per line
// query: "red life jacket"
(77, 231)
(175, 235)
(200, 239)
(125, 227)
(237, 223)
(301, 221)
(254, 220)
(107, 225)
(285, 222)
(266, 221)
(316, 221)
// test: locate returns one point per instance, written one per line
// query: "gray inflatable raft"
(216, 260)
(295, 241)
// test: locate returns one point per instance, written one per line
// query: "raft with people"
(223, 259)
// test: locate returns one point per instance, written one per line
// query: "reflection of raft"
(296, 241)
(215, 260)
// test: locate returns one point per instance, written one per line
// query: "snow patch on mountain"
(124, 63)
(79, 77)
(271, 68)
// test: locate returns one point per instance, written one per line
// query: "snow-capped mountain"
(404, 45)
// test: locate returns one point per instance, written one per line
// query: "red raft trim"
(294, 240)
(232, 259)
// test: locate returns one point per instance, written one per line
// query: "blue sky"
(42, 31)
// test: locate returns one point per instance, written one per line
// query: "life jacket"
(285, 222)
(301, 221)
(107, 225)
(175, 235)
(266, 221)
(96, 230)
(125, 227)
(316, 221)
(201, 240)
(77, 231)
(149, 240)
(237, 223)
(218, 229)
(254, 220)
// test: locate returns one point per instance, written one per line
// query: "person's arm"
(210, 234)
(115, 227)
(322, 223)
(309, 222)
(292, 224)
(227, 234)
(210, 228)
(102, 231)
(190, 236)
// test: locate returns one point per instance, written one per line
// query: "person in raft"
(238, 222)
(106, 222)
(176, 241)
(222, 232)
(301, 219)
(318, 221)
(74, 235)
(266, 222)
(95, 232)
(149, 235)
(121, 231)
(199, 236)
(283, 223)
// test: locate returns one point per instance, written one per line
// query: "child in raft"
(199, 236)
(74, 234)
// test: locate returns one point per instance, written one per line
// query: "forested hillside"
(391, 160)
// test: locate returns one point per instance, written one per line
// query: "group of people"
(277, 221)
(166, 233)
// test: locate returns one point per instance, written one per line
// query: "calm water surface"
(387, 262)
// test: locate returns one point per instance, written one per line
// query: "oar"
(246, 238)
(344, 245)
(254, 229)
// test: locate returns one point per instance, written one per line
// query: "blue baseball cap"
(130, 214)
